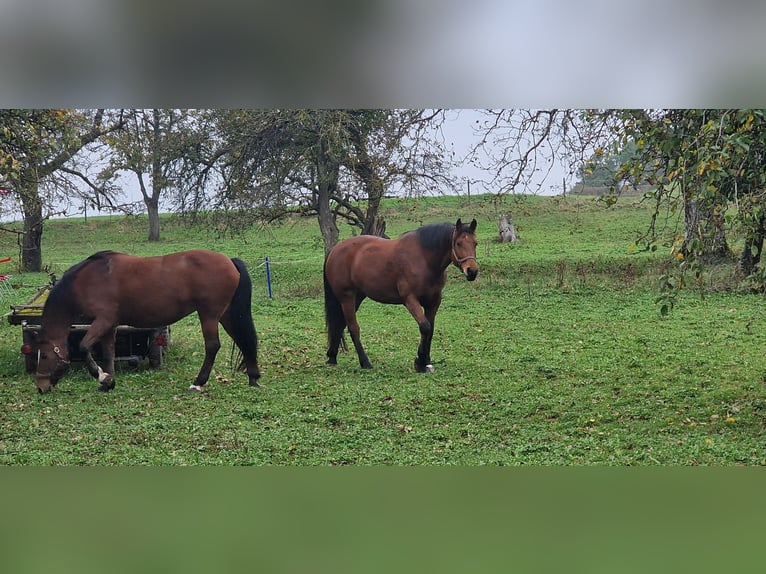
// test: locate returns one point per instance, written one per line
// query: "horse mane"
(436, 235)
(59, 293)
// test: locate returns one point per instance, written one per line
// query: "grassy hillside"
(580, 236)
(556, 355)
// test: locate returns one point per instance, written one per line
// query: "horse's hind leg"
(335, 322)
(212, 345)
(349, 310)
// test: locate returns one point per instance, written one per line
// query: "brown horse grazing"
(109, 289)
(410, 270)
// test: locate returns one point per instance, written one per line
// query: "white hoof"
(102, 375)
(430, 369)
(195, 388)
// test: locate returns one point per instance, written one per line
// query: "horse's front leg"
(424, 316)
(212, 345)
(104, 332)
(106, 376)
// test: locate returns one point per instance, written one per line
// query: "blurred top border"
(383, 54)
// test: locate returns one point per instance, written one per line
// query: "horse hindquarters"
(343, 297)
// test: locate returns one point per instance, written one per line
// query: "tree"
(269, 162)
(328, 163)
(704, 160)
(668, 156)
(393, 150)
(732, 153)
(156, 145)
(38, 149)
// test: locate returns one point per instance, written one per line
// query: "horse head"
(52, 363)
(464, 249)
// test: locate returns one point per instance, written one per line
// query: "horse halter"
(57, 352)
(455, 258)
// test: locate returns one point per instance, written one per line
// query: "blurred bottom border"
(380, 519)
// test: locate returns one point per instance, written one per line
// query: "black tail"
(240, 310)
(335, 321)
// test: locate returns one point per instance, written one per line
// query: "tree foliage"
(157, 146)
(326, 163)
(39, 167)
(701, 163)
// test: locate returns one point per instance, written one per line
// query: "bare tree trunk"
(31, 241)
(153, 211)
(374, 225)
(365, 169)
(507, 229)
(327, 226)
(31, 244)
(328, 171)
(158, 181)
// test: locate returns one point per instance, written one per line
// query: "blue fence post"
(268, 276)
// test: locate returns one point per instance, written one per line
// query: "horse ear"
(459, 224)
(473, 225)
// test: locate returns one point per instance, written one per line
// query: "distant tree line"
(337, 165)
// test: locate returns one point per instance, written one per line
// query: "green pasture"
(556, 355)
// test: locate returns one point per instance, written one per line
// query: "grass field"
(556, 355)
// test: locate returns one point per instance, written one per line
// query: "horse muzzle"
(469, 268)
(44, 387)
(45, 383)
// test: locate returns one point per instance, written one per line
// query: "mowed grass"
(556, 355)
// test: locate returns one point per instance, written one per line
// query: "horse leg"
(425, 321)
(104, 331)
(349, 311)
(430, 310)
(106, 377)
(212, 345)
(335, 320)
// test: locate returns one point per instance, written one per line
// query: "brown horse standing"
(410, 270)
(109, 289)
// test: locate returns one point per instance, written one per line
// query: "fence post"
(268, 276)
